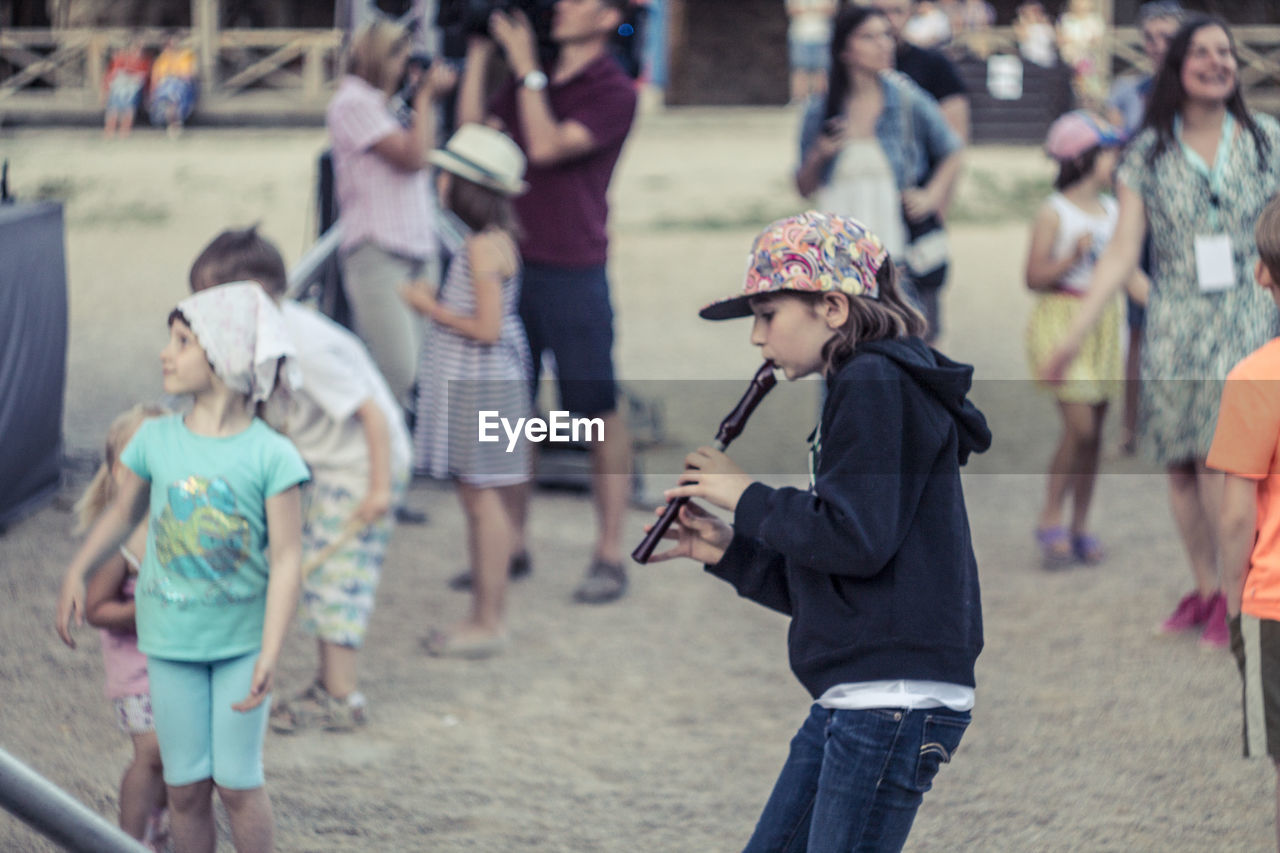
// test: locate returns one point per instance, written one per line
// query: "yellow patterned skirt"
(1096, 374)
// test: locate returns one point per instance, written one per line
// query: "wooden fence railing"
(291, 69)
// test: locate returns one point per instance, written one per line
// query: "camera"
(414, 76)
(471, 17)
(459, 19)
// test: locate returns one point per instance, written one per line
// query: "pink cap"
(1076, 132)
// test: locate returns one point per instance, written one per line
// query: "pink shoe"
(1216, 634)
(1191, 612)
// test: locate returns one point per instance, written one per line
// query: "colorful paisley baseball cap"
(811, 252)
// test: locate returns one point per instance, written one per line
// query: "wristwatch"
(534, 81)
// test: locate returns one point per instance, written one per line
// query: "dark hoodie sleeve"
(755, 571)
(873, 468)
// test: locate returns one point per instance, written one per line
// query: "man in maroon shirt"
(570, 121)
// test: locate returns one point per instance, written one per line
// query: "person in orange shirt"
(1246, 447)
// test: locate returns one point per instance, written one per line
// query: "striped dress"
(459, 377)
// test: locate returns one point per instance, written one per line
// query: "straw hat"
(483, 155)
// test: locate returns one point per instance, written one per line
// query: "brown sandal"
(302, 710)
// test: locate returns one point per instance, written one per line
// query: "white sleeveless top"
(863, 186)
(1073, 223)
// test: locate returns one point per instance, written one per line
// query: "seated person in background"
(1036, 37)
(808, 40)
(1081, 33)
(976, 18)
(173, 85)
(928, 26)
(122, 87)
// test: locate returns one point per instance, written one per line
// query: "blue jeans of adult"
(854, 779)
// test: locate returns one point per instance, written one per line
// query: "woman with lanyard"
(1196, 177)
(867, 146)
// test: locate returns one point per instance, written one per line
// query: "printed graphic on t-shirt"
(201, 541)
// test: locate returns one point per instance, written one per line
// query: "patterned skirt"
(1095, 375)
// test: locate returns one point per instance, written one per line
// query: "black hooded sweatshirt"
(874, 564)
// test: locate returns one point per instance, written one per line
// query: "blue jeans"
(854, 779)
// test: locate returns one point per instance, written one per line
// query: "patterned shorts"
(133, 714)
(337, 597)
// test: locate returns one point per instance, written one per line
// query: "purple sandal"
(1087, 549)
(1055, 546)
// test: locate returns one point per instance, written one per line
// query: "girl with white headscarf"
(220, 579)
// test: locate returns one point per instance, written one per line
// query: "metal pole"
(310, 263)
(57, 815)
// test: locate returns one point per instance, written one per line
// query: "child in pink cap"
(873, 562)
(1070, 231)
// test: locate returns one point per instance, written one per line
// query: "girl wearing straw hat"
(477, 359)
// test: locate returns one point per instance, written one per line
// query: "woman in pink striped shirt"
(384, 196)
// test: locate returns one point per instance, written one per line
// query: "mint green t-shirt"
(202, 591)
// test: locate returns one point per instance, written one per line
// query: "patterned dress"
(459, 377)
(1193, 339)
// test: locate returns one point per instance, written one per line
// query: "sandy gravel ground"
(658, 723)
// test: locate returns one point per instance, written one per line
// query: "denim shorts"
(808, 55)
(566, 312)
(124, 93)
(172, 92)
(200, 736)
(854, 779)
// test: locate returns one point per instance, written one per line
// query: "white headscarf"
(244, 336)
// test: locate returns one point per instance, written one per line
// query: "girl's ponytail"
(102, 488)
(95, 498)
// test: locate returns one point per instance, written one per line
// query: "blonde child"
(873, 563)
(109, 606)
(1245, 446)
(350, 430)
(1069, 233)
(477, 358)
(220, 578)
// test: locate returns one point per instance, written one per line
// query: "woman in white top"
(384, 197)
(877, 147)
